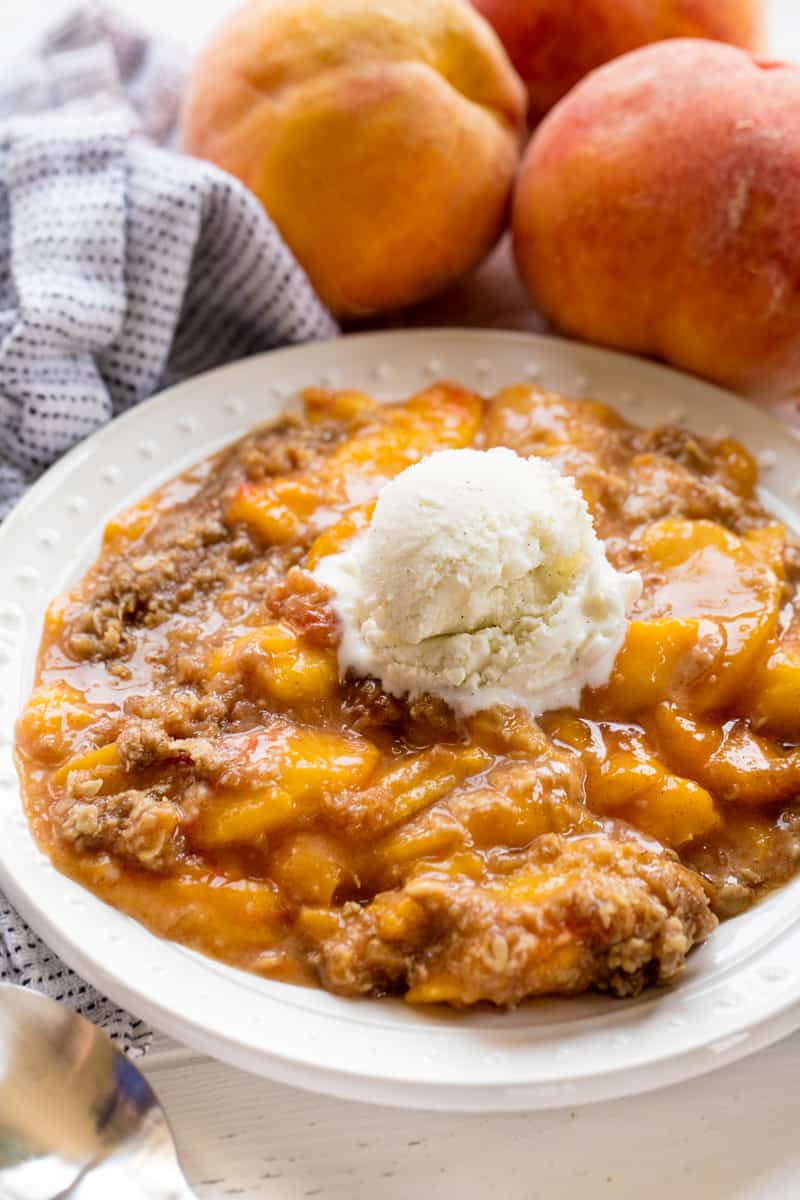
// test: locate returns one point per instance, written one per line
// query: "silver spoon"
(77, 1119)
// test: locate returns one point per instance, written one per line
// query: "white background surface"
(729, 1136)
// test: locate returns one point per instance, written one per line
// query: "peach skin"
(657, 210)
(554, 43)
(381, 138)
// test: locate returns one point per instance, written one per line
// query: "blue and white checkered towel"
(124, 267)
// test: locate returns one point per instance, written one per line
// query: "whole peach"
(554, 43)
(658, 210)
(382, 138)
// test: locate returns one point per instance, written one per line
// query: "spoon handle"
(124, 1179)
(77, 1119)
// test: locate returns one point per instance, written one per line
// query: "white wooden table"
(733, 1135)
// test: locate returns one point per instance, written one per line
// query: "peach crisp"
(192, 754)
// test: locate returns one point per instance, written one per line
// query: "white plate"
(740, 992)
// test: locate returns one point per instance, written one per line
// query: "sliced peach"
(55, 615)
(281, 664)
(736, 465)
(300, 767)
(653, 665)
(514, 804)
(730, 760)
(533, 421)
(768, 545)
(231, 817)
(432, 835)
(275, 511)
(322, 404)
(577, 733)
(391, 438)
(675, 811)
(398, 917)
(317, 923)
(774, 703)
(355, 521)
(713, 575)
(531, 884)
(310, 867)
(700, 652)
(130, 524)
(494, 818)
(416, 782)
(442, 418)
(438, 988)
(625, 778)
(673, 541)
(102, 763)
(223, 916)
(52, 716)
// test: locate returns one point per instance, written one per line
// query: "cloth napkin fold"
(124, 267)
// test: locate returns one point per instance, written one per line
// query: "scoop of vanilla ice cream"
(481, 580)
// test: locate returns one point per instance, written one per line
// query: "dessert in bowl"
(205, 749)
